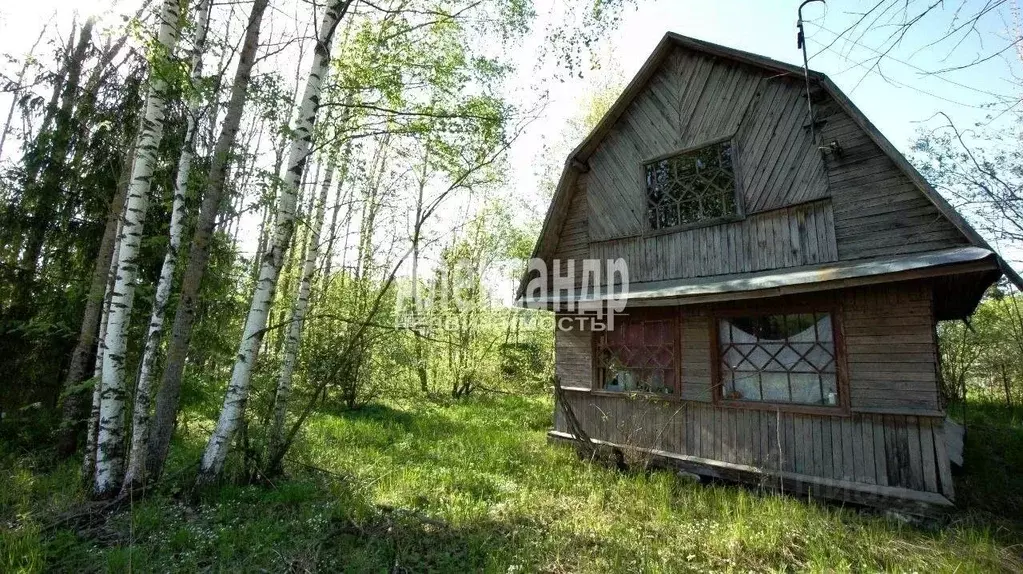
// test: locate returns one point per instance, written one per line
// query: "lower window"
(779, 359)
(639, 354)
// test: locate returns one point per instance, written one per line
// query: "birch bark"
(255, 323)
(110, 449)
(298, 313)
(96, 308)
(140, 416)
(199, 251)
(92, 430)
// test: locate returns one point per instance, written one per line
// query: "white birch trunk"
(270, 267)
(298, 313)
(110, 441)
(92, 431)
(140, 416)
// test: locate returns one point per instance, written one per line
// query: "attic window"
(691, 187)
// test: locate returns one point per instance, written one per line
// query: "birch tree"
(96, 309)
(109, 447)
(92, 429)
(255, 323)
(140, 415)
(298, 314)
(169, 392)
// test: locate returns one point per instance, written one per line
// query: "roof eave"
(581, 154)
(773, 283)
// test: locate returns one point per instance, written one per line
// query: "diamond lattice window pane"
(821, 358)
(690, 187)
(779, 358)
(638, 355)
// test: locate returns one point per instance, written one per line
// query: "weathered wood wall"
(873, 449)
(888, 330)
(694, 99)
(789, 237)
(801, 207)
(574, 239)
(573, 351)
(891, 348)
(890, 437)
(878, 210)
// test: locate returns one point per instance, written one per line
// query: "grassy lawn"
(476, 487)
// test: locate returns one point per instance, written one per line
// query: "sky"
(899, 98)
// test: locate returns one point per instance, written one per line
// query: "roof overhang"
(977, 261)
(576, 161)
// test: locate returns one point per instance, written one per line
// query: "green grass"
(474, 487)
(993, 455)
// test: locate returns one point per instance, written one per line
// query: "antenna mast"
(801, 43)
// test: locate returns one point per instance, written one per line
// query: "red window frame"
(645, 345)
(841, 369)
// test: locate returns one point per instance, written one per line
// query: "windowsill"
(636, 395)
(836, 410)
(693, 225)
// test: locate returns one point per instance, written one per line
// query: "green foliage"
(993, 454)
(474, 486)
(601, 92)
(985, 356)
(58, 206)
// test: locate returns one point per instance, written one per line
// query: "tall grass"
(475, 487)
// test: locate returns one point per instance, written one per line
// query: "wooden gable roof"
(577, 162)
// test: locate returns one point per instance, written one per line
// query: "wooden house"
(786, 271)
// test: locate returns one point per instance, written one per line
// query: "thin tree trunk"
(134, 475)
(255, 323)
(274, 342)
(49, 188)
(419, 348)
(338, 196)
(110, 445)
(1006, 386)
(92, 429)
(169, 391)
(294, 337)
(370, 206)
(17, 90)
(95, 305)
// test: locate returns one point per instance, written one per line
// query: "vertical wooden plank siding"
(729, 247)
(912, 455)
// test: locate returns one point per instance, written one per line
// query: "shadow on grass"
(401, 540)
(298, 527)
(372, 411)
(991, 479)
